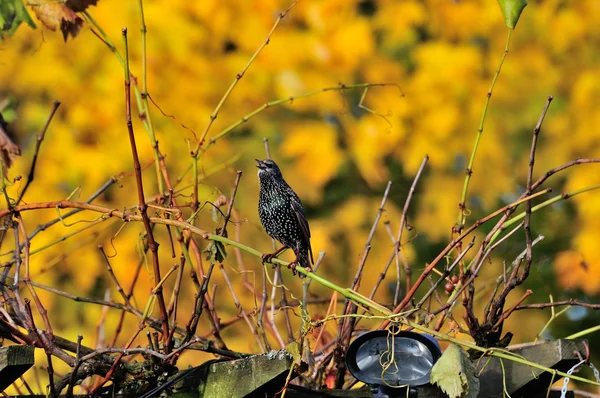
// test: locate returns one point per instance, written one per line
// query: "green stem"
(144, 106)
(583, 332)
(105, 37)
(245, 118)
(546, 203)
(140, 98)
(462, 214)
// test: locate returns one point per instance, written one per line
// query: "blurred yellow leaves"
(437, 207)
(575, 270)
(579, 267)
(315, 146)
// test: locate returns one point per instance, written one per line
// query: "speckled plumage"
(281, 213)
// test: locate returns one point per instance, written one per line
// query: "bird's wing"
(299, 211)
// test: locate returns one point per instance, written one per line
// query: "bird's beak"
(260, 164)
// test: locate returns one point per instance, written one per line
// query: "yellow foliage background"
(337, 156)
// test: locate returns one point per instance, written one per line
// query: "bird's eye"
(269, 164)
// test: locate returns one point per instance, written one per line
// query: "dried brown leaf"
(8, 149)
(80, 5)
(58, 16)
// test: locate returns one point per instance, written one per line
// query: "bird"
(282, 215)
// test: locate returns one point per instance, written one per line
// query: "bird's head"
(267, 168)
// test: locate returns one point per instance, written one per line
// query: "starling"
(281, 213)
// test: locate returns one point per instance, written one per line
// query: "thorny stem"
(113, 276)
(143, 106)
(75, 368)
(398, 245)
(240, 308)
(143, 207)
(38, 145)
(237, 78)
(175, 298)
(141, 101)
(198, 306)
(462, 213)
(447, 250)
(510, 310)
(340, 87)
(526, 226)
(230, 207)
(570, 302)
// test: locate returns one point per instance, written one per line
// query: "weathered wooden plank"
(522, 380)
(246, 376)
(14, 361)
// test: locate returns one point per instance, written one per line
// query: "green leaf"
(215, 252)
(214, 212)
(8, 109)
(454, 373)
(512, 9)
(12, 13)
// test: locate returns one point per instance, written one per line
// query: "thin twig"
(230, 207)
(113, 276)
(172, 311)
(286, 307)
(38, 145)
(496, 306)
(27, 279)
(363, 260)
(240, 308)
(143, 208)
(565, 166)
(569, 302)
(276, 282)
(346, 324)
(503, 279)
(238, 77)
(469, 283)
(261, 313)
(462, 214)
(75, 368)
(510, 310)
(398, 245)
(445, 274)
(526, 226)
(45, 347)
(451, 246)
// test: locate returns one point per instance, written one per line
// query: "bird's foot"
(292, 266)
(267, 257)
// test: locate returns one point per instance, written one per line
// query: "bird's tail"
(303, 261)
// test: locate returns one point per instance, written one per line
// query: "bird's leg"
(297, 262)
(267, 257)
(292, 266)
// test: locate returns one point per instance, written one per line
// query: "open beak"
(260, 164)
